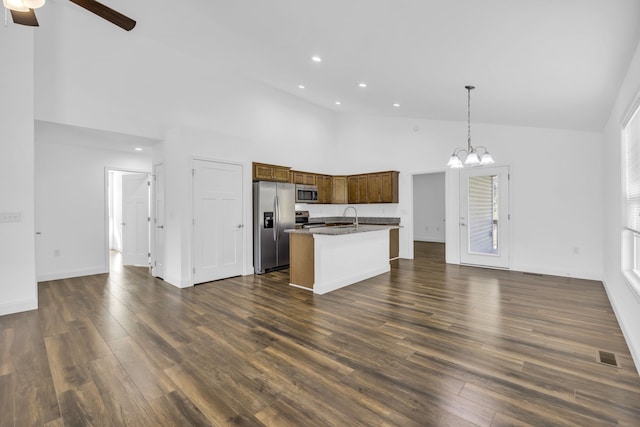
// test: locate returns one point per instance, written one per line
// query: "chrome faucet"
(355, 221)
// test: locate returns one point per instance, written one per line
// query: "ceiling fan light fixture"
(15, 5)
(33, 4)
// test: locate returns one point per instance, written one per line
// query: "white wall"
(429, 207)
(71, 208)
(556, 203)
(625, 302)
(204, 108)
(18, 290)
(276, 128)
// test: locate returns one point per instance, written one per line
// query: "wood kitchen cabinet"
(357, 187)
(382, 187)
(325, 188)
(340, 190)
(266, 172)
(379, 187)
(297, 177)
(394, 244)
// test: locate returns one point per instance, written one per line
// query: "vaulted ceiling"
(543, 63)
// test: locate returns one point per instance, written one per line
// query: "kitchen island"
(323, 259)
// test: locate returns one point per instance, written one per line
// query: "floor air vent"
(607, 358)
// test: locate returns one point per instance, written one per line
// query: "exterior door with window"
(484, 216)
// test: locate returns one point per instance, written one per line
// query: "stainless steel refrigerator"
(273, 212)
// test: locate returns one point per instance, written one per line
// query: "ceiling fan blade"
(107, 13)
(25, 18)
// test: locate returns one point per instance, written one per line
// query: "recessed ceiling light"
(138, 149)
(395, 104)
(338, 103)
(300, 86)
(362, 84)
(316, 58)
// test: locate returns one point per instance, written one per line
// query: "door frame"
(243, 198)
(107, 169)
(506, 223)
(154, 215)
(410, 226)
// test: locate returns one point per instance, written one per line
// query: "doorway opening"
(429, 214)
(128, 216)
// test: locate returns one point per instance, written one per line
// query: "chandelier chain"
(469, 88)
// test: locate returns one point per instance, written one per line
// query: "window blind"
(631, 137)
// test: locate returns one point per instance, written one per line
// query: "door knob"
(160, 226)
(462, 224)
(240, 225)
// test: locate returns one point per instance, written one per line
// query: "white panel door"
(484, 216)
(218, 229)
(135, 219)
(157, 269)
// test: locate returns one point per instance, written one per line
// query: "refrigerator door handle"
(276, 218)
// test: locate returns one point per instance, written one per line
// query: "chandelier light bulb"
(472, 159)
(486, 159)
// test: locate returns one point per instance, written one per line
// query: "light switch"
(10, 216)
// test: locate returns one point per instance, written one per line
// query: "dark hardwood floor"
(426, 344)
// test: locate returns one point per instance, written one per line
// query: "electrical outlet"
(10, 216)
(56, 252)
(576, 250)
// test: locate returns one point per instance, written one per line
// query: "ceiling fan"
(22, 12)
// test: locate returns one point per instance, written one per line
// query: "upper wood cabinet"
(325, 188)
(340, 192)
(297, 177)
(358, 188)
(265, 172)
(382, 187)
(379, 187)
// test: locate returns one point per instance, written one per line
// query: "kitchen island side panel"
(302, 270)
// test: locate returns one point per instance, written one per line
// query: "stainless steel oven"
(306, 193)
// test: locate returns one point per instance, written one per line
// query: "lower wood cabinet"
(394, 243)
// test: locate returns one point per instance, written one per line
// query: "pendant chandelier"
(473, 157)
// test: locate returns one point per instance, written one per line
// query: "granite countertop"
(361, 220)
(342, 229)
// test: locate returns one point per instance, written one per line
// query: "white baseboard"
(635, 352)
(587, 275)
(72, 273)
(18, 306)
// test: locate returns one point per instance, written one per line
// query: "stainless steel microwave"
(306, 193)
